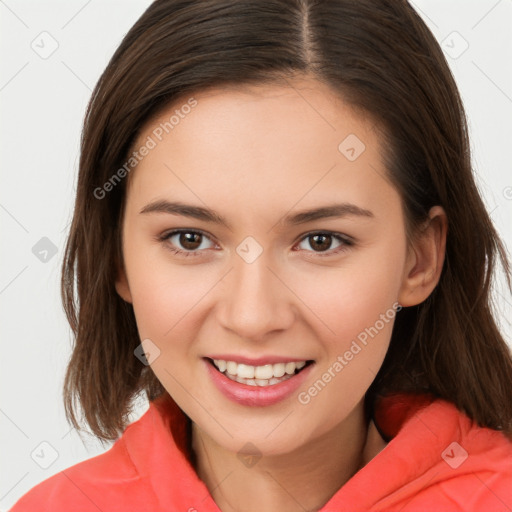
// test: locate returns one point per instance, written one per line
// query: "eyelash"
(345, 240)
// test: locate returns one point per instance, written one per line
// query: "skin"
(255, 154)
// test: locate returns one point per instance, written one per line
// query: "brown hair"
(383, 60)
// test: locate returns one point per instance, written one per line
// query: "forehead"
(266, 106)
(286, 140)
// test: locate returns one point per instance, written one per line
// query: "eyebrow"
(301, 217)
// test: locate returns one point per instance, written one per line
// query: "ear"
(122, 286)
(425, 258)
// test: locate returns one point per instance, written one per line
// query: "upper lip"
(258, 361)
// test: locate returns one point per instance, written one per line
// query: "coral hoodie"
(436, 460)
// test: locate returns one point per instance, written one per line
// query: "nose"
(255, 300)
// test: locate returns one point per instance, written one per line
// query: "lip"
(258, 361)
(256, 396)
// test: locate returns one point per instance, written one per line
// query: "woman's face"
(269, 281)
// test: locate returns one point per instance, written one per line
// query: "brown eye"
(190, 241)
(187, 242)
(321, 242)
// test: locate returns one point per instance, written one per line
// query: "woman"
(277, 238)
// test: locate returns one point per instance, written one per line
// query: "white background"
(43, 102)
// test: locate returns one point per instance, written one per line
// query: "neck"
(303, 479)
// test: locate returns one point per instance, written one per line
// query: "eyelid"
(168, 234)
(334, 234)
(346, 241)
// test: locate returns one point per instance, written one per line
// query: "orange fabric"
(424, 467)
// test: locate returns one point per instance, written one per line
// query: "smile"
(265, 375)
(256, 391)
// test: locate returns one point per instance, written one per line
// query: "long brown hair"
(383, 60)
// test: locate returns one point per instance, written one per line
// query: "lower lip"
(257, 396)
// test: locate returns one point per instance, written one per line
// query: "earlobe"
(425, 260)
(121, 284)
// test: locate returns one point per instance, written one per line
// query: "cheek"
(356, 313)
(164, 302)
(163, 292)
(351, 297)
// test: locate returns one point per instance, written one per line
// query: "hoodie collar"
(159, 444)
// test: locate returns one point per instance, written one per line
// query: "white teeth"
(244, 371)
(263, 372)
(289, 368)
(231, 367)
(258, 382)
(279, 369)
(221, 365)
(258, 373)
